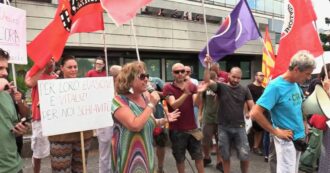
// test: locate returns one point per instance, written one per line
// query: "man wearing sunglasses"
(181, 94)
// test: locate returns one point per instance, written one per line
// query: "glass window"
(277, 38)
(154, 67)
(269, 6)
(168, 65)
(231, 2)
(84, 65)
(260, 5)
(278, 7)
(252, 4)
(223, 65)
(200, 71)
(246, 69)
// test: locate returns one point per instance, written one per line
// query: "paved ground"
(257, 164)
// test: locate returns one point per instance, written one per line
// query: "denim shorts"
(230, 137)
(181, 142)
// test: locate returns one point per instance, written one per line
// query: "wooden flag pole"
(135, 40)
(12, 64)
(206, 30)
(82, 142)
(105, 54)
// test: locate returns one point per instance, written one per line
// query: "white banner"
(74, 105)
(13, 33)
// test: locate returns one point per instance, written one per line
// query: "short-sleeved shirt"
(284, 100)
(35, 97)
(231, 104)
(186, 121)
(131, 151)
(10, 161)
(94, 73)
(223, 77)
(256, 91)
(210, 107)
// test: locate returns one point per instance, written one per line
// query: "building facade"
(168, 31)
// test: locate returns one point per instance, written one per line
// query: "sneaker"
(257, 151)
(266, 159)
(207, 161)
(219, 167)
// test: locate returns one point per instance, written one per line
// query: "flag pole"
(12, 64)
(206, 30)
(82, 143)
(136, 45)
(105, 54)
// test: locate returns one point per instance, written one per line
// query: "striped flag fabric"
(268, 59)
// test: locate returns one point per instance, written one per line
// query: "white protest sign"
(74, 105)
(13, 33)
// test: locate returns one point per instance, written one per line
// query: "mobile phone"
(25, 120)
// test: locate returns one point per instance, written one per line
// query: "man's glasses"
(179, 71)
(142, 76)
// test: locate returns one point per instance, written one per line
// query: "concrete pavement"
(257, 164)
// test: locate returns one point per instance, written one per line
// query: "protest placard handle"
(83, 151)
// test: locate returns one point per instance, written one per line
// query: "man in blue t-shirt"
(283, 98)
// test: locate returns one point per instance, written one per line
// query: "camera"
(300, 145)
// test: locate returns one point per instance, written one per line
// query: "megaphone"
(317, 103)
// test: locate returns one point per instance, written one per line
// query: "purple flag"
(238, 28)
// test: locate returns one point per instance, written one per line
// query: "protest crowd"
(143, 114)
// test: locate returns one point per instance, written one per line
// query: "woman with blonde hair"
(132, 111)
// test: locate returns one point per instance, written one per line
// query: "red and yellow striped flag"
(268, 59)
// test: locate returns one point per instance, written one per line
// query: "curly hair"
(127, 75)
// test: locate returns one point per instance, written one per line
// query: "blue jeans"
(229, 136)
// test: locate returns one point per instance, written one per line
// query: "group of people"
(144, 107)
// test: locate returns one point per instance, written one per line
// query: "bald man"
(232, 98)
(181, 94)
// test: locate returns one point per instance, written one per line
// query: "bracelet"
(150, 105)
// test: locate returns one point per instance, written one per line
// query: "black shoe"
(207, 161)
(266, 159)
(219, 167)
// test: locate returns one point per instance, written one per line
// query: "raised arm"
(32, 81)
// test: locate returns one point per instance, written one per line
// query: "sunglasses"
(179, 71)
(143, 76)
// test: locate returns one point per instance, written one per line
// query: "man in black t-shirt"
(256, 90)
(232, 98)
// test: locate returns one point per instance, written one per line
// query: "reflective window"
(153, 66)
(231, 2)
(269, 6)
(252, 4)
(84, 65)
(260, 5)
(278, 7)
